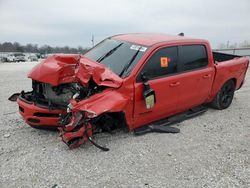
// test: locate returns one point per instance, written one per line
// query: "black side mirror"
(148, 94)
(144, 78)
(14, 97)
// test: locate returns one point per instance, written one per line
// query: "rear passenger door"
(195, 75)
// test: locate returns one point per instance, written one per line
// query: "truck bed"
(219, 57)
(228, 67)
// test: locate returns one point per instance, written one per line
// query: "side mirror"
(144, 78)
(148, 94)
(149, 98)
(14, 97)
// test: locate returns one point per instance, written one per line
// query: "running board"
(156, 129)
(162, 126)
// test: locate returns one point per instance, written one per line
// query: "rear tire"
(224, 97)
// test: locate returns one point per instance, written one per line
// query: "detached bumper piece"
(39, 117)
(76, 130)
(75, 138)
(36, 114)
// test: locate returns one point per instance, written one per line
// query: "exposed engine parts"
(60, 96)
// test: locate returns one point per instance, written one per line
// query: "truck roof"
(150, 39)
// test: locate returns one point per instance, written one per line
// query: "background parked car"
(14, 57)
(33, 58)
(10, 58)
(3, 59)
(19, 57)
(43, 56)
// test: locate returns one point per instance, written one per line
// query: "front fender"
(78, 131)
(109, 100)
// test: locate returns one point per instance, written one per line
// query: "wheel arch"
(118, 120)
(218, 102)
(217, 87)
(234, 80)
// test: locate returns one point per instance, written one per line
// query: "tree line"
(34, 48)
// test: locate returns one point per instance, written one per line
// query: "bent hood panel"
(107, 101)
(101, 75)
(55, 70)
(60, 69)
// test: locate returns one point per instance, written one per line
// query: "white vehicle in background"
(19, 57)
(10, 58)
(15, 57)
(33, 58)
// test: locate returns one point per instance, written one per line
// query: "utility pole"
(93, 40)
(227, 44)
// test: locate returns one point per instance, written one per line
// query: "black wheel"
(224, 97)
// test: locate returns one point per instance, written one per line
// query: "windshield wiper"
(108, 53)
(130, 62)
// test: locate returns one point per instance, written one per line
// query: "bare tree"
(34, 48)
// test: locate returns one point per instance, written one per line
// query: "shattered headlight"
(69, 108)
(90, 114)
(87, 113)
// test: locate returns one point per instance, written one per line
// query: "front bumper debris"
(39, 117)
(76, 130)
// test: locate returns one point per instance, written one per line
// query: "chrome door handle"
(207, 76)
(174, 84)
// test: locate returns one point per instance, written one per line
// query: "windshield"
(119, 56)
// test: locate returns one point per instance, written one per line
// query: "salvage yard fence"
(235, 51)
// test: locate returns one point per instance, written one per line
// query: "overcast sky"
(72, 22)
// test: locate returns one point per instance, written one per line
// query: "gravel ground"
(212, 150)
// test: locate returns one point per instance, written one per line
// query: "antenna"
(93, 40)
(181, 34)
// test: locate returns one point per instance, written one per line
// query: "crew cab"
(128, 80)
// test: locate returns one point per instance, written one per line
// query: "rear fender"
(233, 69)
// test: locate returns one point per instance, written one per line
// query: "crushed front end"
(42, 107)
(75, 95)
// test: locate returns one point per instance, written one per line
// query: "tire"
(224, 97)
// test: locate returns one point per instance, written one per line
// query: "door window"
(193, 57)
(162, 63)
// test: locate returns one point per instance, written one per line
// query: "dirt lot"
(212, 150)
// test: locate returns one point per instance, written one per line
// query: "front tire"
(224, 97)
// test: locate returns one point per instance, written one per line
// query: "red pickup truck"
(128, 80)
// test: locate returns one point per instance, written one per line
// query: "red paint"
(29, 111)
(107, 101)
(101, 75)
(67, 136)
(61, 69)
(174, 94)
(55, 70)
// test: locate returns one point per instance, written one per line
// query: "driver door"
(161, 69)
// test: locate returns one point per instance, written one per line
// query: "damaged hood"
(61, 69)
(56, 69)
